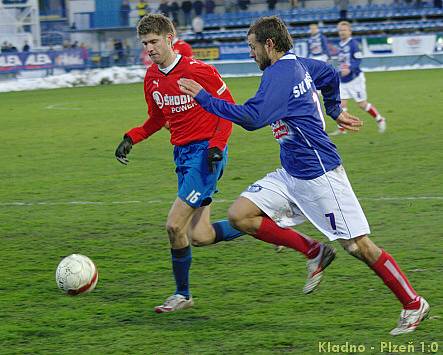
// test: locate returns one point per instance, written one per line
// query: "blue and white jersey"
(318, 46)
(349, 54)
(287, 100)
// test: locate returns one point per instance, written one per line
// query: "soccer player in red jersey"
(200, 148)
(182, 47)
(200, 154)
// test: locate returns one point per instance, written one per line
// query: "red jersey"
(183, 48)
(188, 121)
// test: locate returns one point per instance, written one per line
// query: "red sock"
(270, 232)
(372, 110)
(393, 277)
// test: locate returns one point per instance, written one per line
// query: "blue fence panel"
(107, 13)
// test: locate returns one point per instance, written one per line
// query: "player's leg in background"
(415, 308)
(178, 220)
(202, 232)
(359, 94)
(372, 110)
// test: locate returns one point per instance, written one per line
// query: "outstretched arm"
(324, 44)
(214, 84)
(257, 112)
(356, 56)
(327, 79)
(154, 123)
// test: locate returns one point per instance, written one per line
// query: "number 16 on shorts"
(193, 196)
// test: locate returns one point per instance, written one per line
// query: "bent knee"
(199, 242)
(362, 105)
(362, 248)
(173, 229)
(241, 212)
(238, 220)
(234, 218)
(351, 248)
(201, 238)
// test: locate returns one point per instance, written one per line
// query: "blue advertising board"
(241, 50)
(12, 62)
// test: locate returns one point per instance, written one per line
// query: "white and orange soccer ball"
(76, 274)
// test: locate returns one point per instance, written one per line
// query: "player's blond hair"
(345, 23)
(155, 23)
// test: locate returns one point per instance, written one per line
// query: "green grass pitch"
(58, 155)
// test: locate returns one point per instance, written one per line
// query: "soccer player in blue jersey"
(317, 44)
(353, 82)
(312, 183)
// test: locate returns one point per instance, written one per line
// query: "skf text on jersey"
(303, 86)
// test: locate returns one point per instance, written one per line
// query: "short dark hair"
(274, 28)
(155, 23)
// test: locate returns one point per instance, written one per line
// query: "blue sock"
(181, 263)
(225, 232)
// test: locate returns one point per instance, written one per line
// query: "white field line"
(62, 106)
(402, 198)
(162, 202)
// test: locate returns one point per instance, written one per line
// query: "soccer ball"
(76, 274)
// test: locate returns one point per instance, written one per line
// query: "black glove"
(123, 149)
(214, 156)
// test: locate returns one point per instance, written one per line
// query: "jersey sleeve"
(327, 80)
(211, 80)
(153, 124)
(309, 47)
(324, 44)
(356, 56)
(269, 104)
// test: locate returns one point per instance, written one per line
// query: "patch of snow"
(119, 75)
(113, 75)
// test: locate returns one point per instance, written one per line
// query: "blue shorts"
(196, 184)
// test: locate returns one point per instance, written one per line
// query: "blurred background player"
(312, 182)
(317, 44)
(353, 82)
(200, 148)
(182, 47)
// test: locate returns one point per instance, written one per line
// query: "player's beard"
(264, 62)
